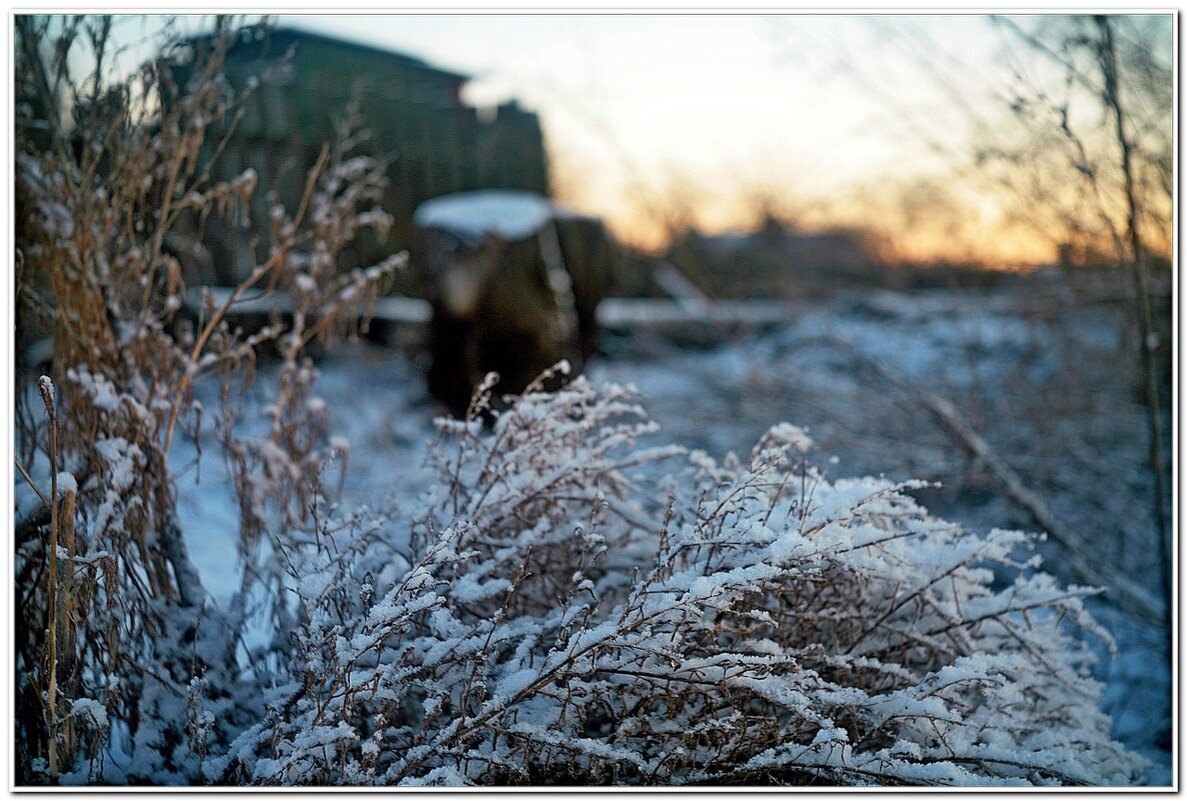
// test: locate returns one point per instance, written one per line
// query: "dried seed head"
(46, 387)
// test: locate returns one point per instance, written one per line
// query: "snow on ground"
(378, 404)
(1043, 390)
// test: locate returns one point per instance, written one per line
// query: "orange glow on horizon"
(868, 122)
(1000, 247)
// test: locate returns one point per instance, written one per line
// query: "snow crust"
(472, 216)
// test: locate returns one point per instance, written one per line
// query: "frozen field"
(1042, 387)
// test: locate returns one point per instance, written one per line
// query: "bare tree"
(1113, 152)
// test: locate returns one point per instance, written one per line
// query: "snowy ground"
(1044, 390)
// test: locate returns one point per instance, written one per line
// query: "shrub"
(551, 621)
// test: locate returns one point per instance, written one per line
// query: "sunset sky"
(832, 118)
(707, 94)
(719, 107)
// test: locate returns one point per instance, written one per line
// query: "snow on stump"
(514, 282)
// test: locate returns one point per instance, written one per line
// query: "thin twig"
(21, 468)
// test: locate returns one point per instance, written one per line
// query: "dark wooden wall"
(435, 142)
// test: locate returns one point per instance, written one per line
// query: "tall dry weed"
(107, 172)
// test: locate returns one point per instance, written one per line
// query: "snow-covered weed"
(559, 618)
(110, 605)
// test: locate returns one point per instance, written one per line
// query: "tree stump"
(514, 283)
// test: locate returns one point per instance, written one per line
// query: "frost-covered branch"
(835, 634)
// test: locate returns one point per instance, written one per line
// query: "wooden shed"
(437, 144)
